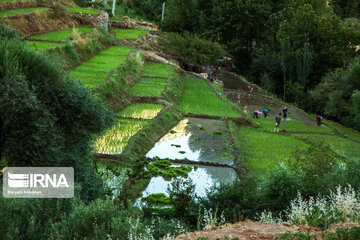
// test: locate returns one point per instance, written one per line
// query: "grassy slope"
(199, 98)
(149, 87)
(62, 35)
(82, 10)
(129, 33)
(155, 69)
(97, 69)
(43, 45)
(20, 11)
(141, 110)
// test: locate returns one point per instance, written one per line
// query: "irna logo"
(36, 180)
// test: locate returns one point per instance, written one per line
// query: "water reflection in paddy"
(196, 139)
(204, 178)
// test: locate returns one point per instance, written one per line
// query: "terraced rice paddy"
(62, 35)
(141, 110)
(83, 10)
(262, 151)
(97, 69)
(42, 45)
(155, 69)
(20, 11)
(342, 146)
(129, 33)
(149, 87)
(199, 98)
(268, 124)
(115, 140)
(346, 131)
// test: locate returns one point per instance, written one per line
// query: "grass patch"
(346, 131)
(116, 139)
(62, 35)
(262, 151)
(199, 98)
(155, 69)
(141, 110)
(268, 124)
(129, 33)
(82, 10)
(97, 69)
(42, 45)
(20, 11)
(149, 87)
(342, 146)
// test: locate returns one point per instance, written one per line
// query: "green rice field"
(20, 11)
(346, 131)
(155, 69)
(268, 124)
(129, 33)
(97, 69)
(42, 45)
(82, 10)
(199, 98)
(262, 151)
(149, 87)
(344, 147)
(62, 35)
(141, 110)
(115, 140)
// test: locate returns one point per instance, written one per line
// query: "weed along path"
(97, 69)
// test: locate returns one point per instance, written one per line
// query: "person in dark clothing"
(285, 110)
(277, 124)
(318, 120)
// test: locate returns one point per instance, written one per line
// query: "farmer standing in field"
(285, 112)
(318, 120)
(277, 124)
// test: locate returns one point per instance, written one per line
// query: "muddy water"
(196, 139)
(204, 178)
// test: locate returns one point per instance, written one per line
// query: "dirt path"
(242, 93)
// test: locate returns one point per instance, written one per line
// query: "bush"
(192, 49)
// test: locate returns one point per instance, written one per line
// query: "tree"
(47, 119)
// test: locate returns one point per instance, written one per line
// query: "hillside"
(181, 153)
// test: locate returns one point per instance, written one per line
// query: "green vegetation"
(20, 11)
(141, 110)
(164, 168)
(97, 69)
(82, 10)
(199, 98)
(346, 131)
(261, 151)
(42, 45)
(268, 124)
(129, 33)
(149, 87)
(342, 146)
(115, 139)
(62, 35)
(155, 69)
(156, 199)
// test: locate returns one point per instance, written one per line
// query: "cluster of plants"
(62, 35)
(165, 169)
(141, 110)
(205, 101)
(155, 69)
(116, 139)
(10, 12)
(149, 87)
(340, 233)
(156, 199)
(129, 33)
(97, 69)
